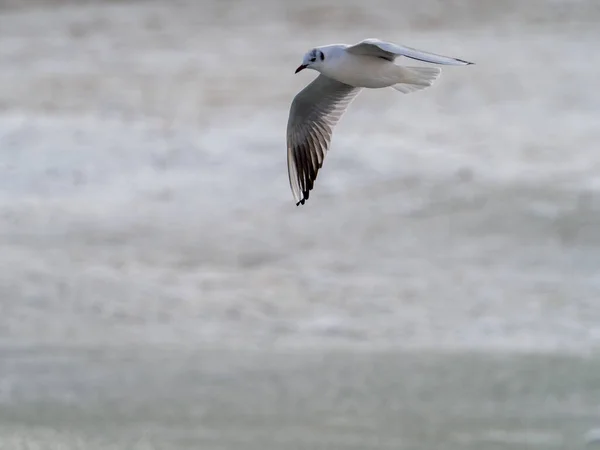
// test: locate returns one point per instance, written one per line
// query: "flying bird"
(344, 70)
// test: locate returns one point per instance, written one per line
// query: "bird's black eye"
(313, 59)
(321, 55)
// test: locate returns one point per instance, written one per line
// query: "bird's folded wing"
(390, 51)
(313, 114)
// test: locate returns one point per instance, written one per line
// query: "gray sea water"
(159, 289)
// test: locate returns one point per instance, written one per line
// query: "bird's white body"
(345, 70)
(358, 70)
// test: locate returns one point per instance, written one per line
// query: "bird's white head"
(313, 59)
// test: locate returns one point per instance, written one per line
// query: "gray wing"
(315, 111)
(389, 51)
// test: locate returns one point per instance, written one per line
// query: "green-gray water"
(165, 398)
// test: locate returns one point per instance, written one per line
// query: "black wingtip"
(305, 195)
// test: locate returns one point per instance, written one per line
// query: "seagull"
(344, 70)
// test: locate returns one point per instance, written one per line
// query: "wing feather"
(390, 51)
(313, 115)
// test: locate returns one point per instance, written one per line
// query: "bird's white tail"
(413, 79)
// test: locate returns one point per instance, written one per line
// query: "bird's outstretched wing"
(390, 51)
(313, 114)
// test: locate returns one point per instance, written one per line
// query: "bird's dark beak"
(302, 67)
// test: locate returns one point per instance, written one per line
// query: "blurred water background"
(159, 289)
